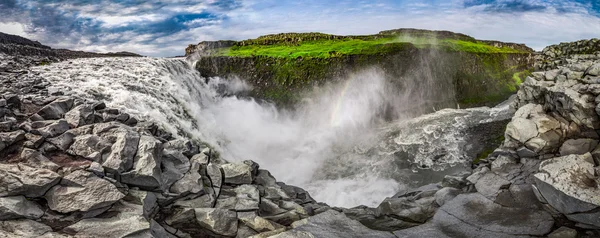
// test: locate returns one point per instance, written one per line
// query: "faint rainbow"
(338, 105)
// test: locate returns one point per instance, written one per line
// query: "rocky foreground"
(71, 167)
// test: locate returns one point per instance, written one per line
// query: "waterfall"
(339, 144)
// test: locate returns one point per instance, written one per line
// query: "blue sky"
(165, 28)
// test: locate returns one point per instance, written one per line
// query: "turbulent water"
(339, 144)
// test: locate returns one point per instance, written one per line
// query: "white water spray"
(336, 144)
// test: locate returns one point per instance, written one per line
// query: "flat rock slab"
(473, 215)
(332, 224)
(82, 191)
(20, 179)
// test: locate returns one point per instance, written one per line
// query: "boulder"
(80, 116)
(35, 159)
(56, 109)
(9, 138)
(570, 186)
(331, 224)
(174, 166)
(82, 191)
(191, 182)
(593, 70)
(205, 222)
(20, 179)
(126, 221)
(146, 171)
(52, 130)
(521, 129)
(186, 147)
(257, 223)
(417, 208)
(90, 147)
(18, 207)
(578, 146)
(238, 173)
(124, 145)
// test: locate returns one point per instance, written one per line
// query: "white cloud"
(14, 28)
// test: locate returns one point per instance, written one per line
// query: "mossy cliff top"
(322, 45)
(281, 66)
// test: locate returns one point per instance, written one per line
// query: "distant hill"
(17, 45)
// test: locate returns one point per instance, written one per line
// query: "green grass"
(325, 48)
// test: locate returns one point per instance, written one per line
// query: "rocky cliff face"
(466, 78)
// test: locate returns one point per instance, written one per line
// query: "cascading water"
(337, 144)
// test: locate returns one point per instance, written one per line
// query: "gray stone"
(186, 147)
(126, 221)
(427, 230)
(456, 181)
(410, 208)
(578, 146)
(473, 178)
(572, 176)
(82, 191)
(521, 129)
(257, 223)
(490, 185)
(502, 161)
(80, 116)
(35, 159)
(90, 147)
(120, 158)
(264, 177)
(446, 194)
(23, 228)
(19, 207)
(33, 141)
(524, 152)
(53, 130)
(146, 171)
(204, 201)
(57, 109)
(563, 232)
(593, 70)
(205, 221)
(473, 215)
(174, 165)
(550, 75)
(9, 138)
(238, 173)
(191, 182)
(331, 224)
(20, 179)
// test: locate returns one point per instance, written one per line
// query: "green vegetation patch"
(321, 46)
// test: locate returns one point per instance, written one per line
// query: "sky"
(165, 28)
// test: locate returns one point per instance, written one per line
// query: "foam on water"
(337, 144)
